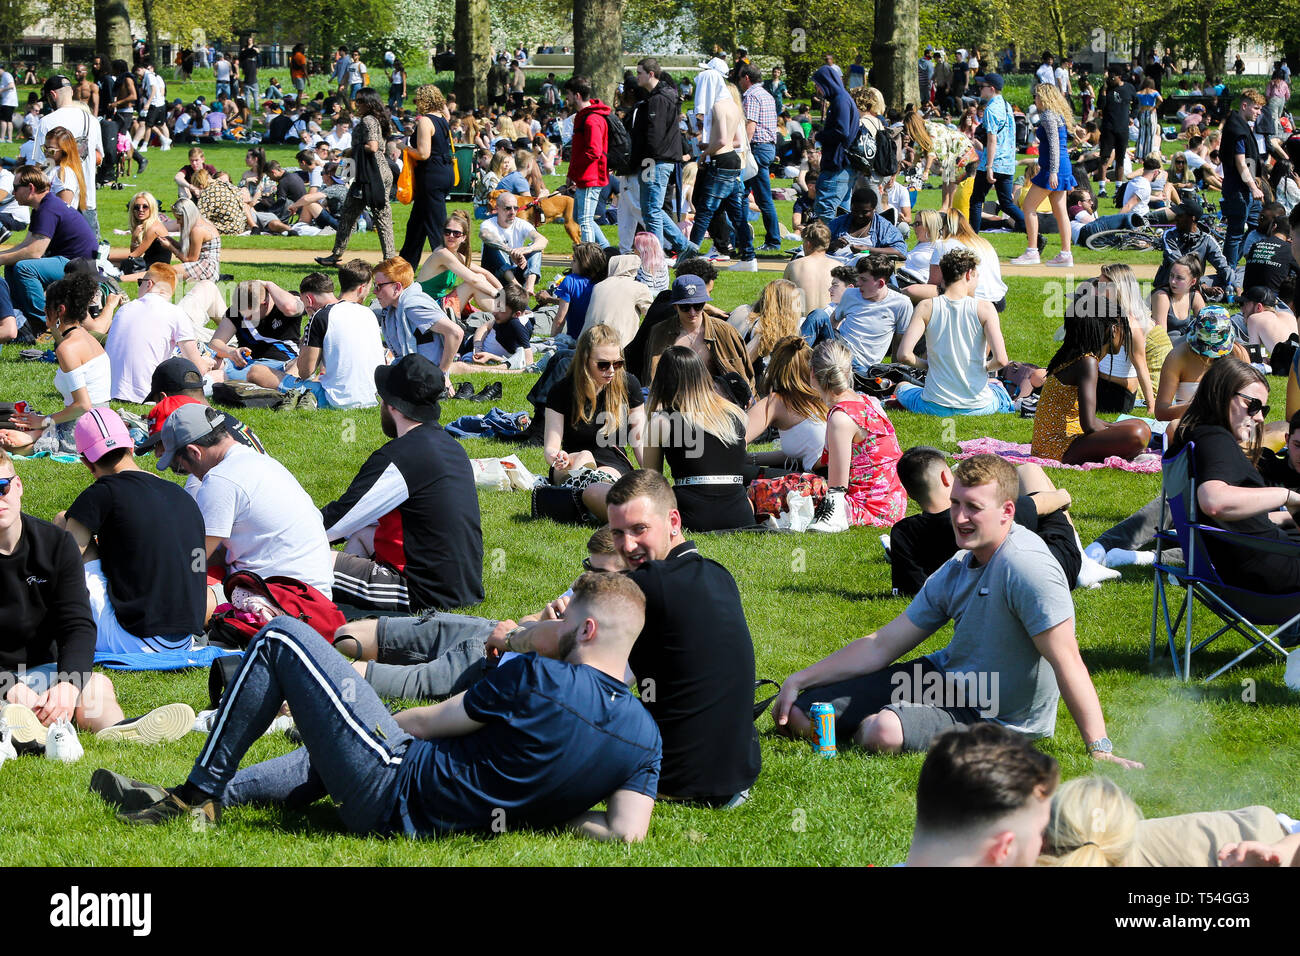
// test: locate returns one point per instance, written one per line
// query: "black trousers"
(428, 219)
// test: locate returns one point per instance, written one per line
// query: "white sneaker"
(169, 722)
(887, 545)
(203, 722)
(830, 515)
(167, 144)
(62, 744)
(25, 727)
(7, 751)
(1064, 259)
(1029, 258)
(716, 257)
(744, 265)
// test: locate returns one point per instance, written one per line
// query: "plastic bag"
(406, 179)
(799, 512)
(502, 474)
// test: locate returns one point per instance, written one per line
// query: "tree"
(113, 29)
(473, 40)
(894, 51)
(598, 44)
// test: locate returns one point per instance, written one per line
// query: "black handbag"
(558, 504)
(368, 185)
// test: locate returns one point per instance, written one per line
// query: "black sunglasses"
(452, 232)
(1253, 405)
(606, 366)
(6, 482)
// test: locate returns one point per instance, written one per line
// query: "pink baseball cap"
(100, 431)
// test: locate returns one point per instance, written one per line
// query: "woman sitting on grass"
(84, 378)
(702, 437)
(591, 414)
(199, 248)
(1209, 338)
(1122, 373)
(957, 232)
(219, 203)
(775, 315)
(451, 264)
(1066, 426)
(1174, 307)
(792, 407)
(148, 238)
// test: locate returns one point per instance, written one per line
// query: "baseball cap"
(992, 79)
(172, 376)
(1190, 206)
(186, 424)
(690, 290)
(412, 385)
(158, 417)
(56, 82)
(100, 431)
(1211, 333)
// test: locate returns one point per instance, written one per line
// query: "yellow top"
(1056, 421)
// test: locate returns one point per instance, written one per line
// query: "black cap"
(56, 82)
(412, 385)
(1190, 206)
(172, 377)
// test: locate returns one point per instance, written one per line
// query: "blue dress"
(1053, 153)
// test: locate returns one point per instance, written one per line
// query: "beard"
(386, 421)
(567, 643)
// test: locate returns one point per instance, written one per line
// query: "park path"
(307, 257)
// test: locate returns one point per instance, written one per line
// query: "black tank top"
(435, 173)
(696, 452)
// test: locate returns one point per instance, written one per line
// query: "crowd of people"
(880, 307)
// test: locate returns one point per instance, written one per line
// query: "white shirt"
(339, 139)
(143, 335)
(1139, 186)
(268, 523)
(77, 121)
(60, 181)
(514, 237)
(10, 205)
(8, 89)
(989, 286)
(1063, 80)
(222, 70)
(351, 349)
(157, 90)
(1045, 74)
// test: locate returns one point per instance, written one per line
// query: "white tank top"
(955, 348)
(804, 441)
(1118, 365)
(96, 376)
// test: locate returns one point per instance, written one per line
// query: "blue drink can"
(823, 721)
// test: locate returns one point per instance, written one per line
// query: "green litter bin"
(462, 191)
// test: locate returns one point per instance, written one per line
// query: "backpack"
(885, 162)
(289, 596)
(246, 395)
(862, 151)
(618, 151)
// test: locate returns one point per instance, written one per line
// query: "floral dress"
(951, 149)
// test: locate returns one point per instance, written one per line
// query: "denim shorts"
(912, 398)
(241, 374)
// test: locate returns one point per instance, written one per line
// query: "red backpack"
(290, 596)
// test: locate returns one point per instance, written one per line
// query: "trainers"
(464, 392)
(830, 514)
(744, 265)
(887, 544)
(768, 247)
(144, 164)
(1029, 258)
(61, 743)
(5, 234)
(1101, 190)
(202, 725)
(168, 722)
(25, 727)
(718, 257)
(129, 796)
(172, 807)
(7, 751)
(1063, 259)
(490, 393)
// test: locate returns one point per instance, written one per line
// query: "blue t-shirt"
(65, 227)
(516, 183)
(557, 739)
(575, 290)
(999, 119)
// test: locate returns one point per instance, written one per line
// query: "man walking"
(760, 127)
(997, 167)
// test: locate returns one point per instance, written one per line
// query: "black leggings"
(428, 219)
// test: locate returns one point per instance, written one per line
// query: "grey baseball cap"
(186, 424)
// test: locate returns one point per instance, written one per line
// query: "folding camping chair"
(1239, 609)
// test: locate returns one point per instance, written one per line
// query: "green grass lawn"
(1227, 744)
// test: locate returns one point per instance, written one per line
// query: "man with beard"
(411, 515)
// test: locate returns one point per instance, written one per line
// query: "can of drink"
(20, 408)
(823, 721)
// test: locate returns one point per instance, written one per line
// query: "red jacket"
(588, 165)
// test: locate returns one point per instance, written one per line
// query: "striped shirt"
(761, 108)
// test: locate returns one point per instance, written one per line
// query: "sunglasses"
(588, 566)
(1253, 405)
(6, 482)
(606, 366)
(140, 205)
(453, 232)
(692, 307)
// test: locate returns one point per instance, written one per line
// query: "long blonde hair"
(787, 378)
(187, 214)
(914, 126)
(932, 220)
(71, 161)
(957, 228)
(141, 229)
(776, 313)
(586, 390)
(1093, 823)
(1054, 101)
(1131, 301)
(682, 385)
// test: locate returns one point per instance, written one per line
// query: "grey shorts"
(264, 218)
(429, 657)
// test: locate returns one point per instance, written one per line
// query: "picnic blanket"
(1147, 464)
(161, 660)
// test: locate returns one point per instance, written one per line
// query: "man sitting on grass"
(145, 333)
(536, 743)
(984, 798)
(1012, 646)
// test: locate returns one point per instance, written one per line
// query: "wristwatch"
(1101, 746)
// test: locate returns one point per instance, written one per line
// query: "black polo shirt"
(694, 665)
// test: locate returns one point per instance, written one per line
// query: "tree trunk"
(598, 44)
(151, 35)
(113, 29)
(1205, 50)
(1057, 17)
(472, 36)
(894, 51)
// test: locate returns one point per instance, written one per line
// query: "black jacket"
(656, 133)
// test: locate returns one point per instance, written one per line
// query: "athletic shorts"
(6, 114)
(241, 374)
(157, 116)
(364, 583)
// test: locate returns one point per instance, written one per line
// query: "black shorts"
(6, 114)
(157, 116)
(1057, 533)
(1111, 143)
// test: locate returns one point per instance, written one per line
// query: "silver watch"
(1104, 746)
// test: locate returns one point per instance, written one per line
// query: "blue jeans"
(1006, 200)
(724, 190)
(653, 186)
(585, 203)
(1238, 209)
(912, 397)
(223, 86)
(1119, 220)
(761, 187)
(27, 280)
(353, 746)
(832, 193)
(498, 263)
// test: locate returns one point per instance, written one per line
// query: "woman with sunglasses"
(591, 414)
(452, 264)
(1225, 421)
(433, 154)
(148, 238)
(702, 437)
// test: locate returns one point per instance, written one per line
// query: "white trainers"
(744, 265)
(169, 722)
(25, 727)
(61, 743)
(831, 514)
(203, 722)
(1029, 258)
(1064, 259)
(7, 751)
(888, 546)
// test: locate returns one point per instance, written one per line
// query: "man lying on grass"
(536, 743)
(1012, 648)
